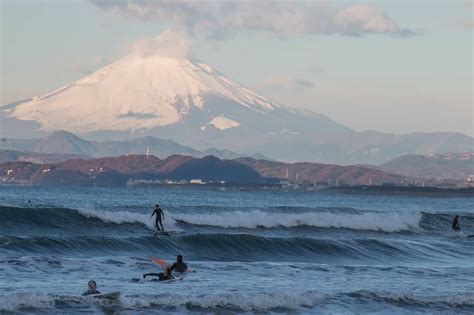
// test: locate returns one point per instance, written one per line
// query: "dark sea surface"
(252, 252)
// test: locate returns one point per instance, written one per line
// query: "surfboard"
(470, 235)
(108, 296)
(155, 279)
(172, 280)
(159, 262)
(163, 233)
(163, 263)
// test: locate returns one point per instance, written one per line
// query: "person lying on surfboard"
(159, 214)
(162, 276)
(179, 265)
(92, 288)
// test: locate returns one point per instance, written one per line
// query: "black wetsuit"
(161, 276)
(159, 214)
(455, 225)
(179, 266)
(90, 292)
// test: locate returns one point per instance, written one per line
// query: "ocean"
(251, 252)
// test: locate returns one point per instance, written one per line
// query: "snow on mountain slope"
(135, 93)
(222, 123)
(171, 98)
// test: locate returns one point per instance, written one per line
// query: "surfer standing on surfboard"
(456, 227)
(159, 216)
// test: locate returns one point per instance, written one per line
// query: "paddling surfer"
(92, 288)
(159, 216)
(456, 227)
(179, 265)
(162, 276)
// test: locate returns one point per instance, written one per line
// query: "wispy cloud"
(315, 69)
(285, 82)
(219, 19)
(86, 67)
(166, 44)
(468, 24)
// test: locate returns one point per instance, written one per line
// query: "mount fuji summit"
(180, 99)
(189, 102)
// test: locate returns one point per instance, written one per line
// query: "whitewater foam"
(234, 300)
(371, 221)
(11, 303)
(459, 300)
(120, 217)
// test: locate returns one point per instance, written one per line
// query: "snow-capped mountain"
(139, 93)
(189, 102)
(173, 98)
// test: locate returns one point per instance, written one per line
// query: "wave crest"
(371, 221)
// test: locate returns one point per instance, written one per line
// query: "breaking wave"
(15, 220)
(247, 302)
(226, 236)
(370, 221)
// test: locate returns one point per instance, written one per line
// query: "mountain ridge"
(118, 170)
(63, 143)
(457, 166)
(192, 104)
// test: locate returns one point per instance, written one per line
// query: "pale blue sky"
(380, 81)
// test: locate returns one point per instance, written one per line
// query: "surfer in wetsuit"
(92, 288)
(179, 265)
(456, 227)
(162, 276)
(158, 218)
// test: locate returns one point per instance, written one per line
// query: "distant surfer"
(456, 227)
(162, 276)
(92, 288)
(159, 216)
(179, 265)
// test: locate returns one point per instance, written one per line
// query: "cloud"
(315, 69)
(285, 82)
(86, 68)
(359, 19)
(304, 83)
(166, 44)
(467, 24)
(81, 68)
(219, 19)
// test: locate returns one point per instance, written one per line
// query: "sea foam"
(372, 221)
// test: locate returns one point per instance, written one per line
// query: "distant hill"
(211, 168)
(34, 157)
(457, 166)
(58, 142)
(118, 170)
(63, 142)
(367, 147)
(324, 173)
